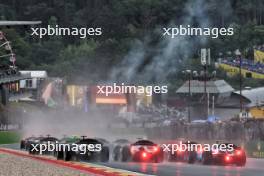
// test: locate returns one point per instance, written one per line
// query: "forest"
(131, 48)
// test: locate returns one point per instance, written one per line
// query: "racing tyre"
(159, 158)
(125, 154)
(116, 153)
(31, 151)
(22, 145)
(191, 157)
(207, 158)
(172, 157)
(241, 163)
(59, 155)
(74, 157)
(66, 156)
(105, 154)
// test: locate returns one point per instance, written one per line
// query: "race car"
(95, 151)
(188, 156)
(142, 151)
(118, 147)
(34, 145)
(25, 143)
(225, 157)
(59, 154)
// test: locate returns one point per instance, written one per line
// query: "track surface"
(254, 167)
(85, 167)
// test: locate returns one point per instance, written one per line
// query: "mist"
(168, 55)
(144, 63)
(69, 122)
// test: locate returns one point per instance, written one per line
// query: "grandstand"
(249, 68)
(259, 54)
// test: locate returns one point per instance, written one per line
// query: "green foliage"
(9, 137)
(122, 22)
(84, 49)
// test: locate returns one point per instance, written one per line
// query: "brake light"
(155, 149)
(180, 150)
(144, 154)
(227, 158)
(238, 152)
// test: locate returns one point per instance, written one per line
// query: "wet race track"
(254, 167)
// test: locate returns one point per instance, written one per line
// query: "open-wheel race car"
(140, 151)
(83, 149)
(216, 156)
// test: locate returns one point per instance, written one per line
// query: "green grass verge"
(9, 137)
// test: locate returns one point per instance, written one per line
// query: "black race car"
(120, 146)
(95, 150)
(217, 156)
(188, 156)
(142, 151)
(25, 143)
(59, 154)
(34, 145)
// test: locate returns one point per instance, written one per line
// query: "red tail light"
(155, 149)
(180, 150)
(227, 158)
(238, 152)
(144, 155)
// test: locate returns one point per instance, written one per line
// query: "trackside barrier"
(255, 149)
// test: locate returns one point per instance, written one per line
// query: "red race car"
(216, 156)
(142, 151)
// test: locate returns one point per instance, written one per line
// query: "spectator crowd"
(249, 65)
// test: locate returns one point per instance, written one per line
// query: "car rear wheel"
(241, 163)
(105, 154)
(158, 158)
(59, 155)
(125, 154)
(31, 150)
(207, 158)
(22, 145)
(74, 157)
(66, 156)
(116, 153)
(191, 157)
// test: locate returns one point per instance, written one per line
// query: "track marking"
(118, 170)
(81, 166)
